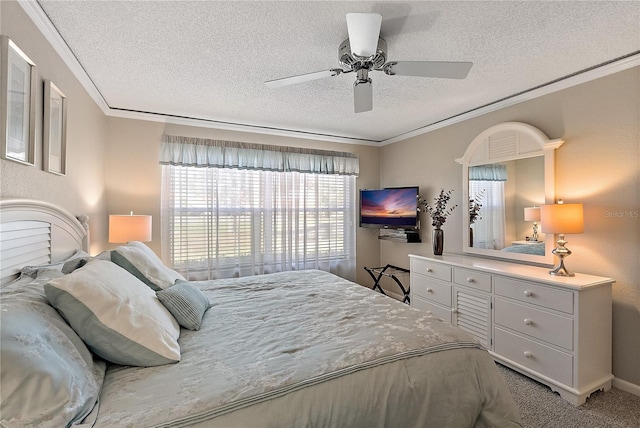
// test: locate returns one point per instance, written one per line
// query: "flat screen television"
(395, 207)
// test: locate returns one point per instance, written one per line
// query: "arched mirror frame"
(505, 142)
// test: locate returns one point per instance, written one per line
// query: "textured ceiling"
(209, 59)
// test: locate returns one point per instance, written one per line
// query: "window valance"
(199, 152)
(488, 173)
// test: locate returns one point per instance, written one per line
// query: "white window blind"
(227, 222)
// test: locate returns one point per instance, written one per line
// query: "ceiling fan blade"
(444, 69)
(362, 96)
(364, 31)
(278, 83)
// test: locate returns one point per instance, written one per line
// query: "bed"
(535, 249)
(303, 348)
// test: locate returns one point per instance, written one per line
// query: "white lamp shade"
(125, 228)
(364, 31)
(562, 218)
(532, 214)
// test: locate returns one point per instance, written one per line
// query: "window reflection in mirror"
(504, 190)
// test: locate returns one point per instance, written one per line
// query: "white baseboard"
(626, 386)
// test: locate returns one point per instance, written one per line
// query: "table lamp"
(125, 228)
(562, 218)
(533, 214)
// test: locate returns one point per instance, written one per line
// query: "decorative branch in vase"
(474, 213)
(438, 213)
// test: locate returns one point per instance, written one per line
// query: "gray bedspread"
(310, 349)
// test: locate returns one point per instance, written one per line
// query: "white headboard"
(35, 232)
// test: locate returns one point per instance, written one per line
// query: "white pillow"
(140, 261)
(116, 315)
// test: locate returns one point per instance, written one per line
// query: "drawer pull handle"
(455, 311)
(471, 279)
(527, 321)
(528, 293)
(429, 290)
(429, 270)
(527, 354)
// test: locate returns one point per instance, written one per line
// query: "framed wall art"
(18, 98)
(55, 129)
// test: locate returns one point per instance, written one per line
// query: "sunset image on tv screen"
(394, 207)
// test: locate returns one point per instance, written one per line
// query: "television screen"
(394, 207)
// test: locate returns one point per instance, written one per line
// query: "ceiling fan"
(365, 51)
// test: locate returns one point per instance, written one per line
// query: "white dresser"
(556, 330)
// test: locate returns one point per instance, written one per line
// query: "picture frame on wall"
(18, 97)
(54, 129)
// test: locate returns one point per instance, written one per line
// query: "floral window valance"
(199, 152)
(488, 173)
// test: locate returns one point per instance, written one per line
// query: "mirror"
(508, 170)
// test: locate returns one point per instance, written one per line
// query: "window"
(221, 222)
(489, 231)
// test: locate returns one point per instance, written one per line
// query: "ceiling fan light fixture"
(364, 31)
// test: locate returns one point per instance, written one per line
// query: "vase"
(438, 241)
(470, 237)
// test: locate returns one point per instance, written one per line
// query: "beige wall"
(599, 165)
(133, 173)
(81, 191)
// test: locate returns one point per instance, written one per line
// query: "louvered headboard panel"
(34, 232)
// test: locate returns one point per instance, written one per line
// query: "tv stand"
(411, 236)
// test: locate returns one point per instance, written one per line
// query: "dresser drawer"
(431, 269)
(426, 288)
(471, 278)
(551, 328)
(552, 298)
(543, 359)
(432, 308)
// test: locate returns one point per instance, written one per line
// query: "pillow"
(142, 262)
(74, 264)
(48, 375)
(117, 316)
(186, 303)
(32, 271)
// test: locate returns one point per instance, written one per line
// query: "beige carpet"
(540, 407)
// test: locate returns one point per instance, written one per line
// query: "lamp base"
(534, 237)
(561, 270)
(561, 251)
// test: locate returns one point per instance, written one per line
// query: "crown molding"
(42, 21)
(254, 129)
(563, 83)
(46, 27)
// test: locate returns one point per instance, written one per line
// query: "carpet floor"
(542, 408)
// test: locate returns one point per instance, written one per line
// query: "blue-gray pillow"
(186, 302)
(116, 315)
(48, 375)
